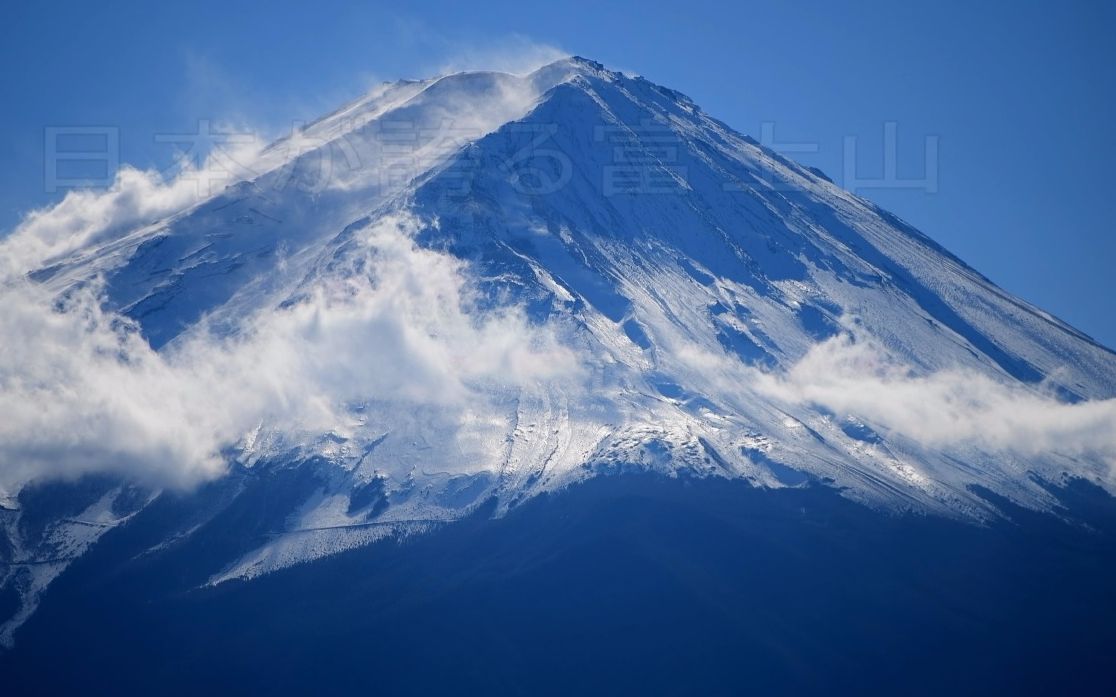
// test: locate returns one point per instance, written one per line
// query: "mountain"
(473, 347)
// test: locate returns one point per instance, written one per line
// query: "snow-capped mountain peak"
(484, 286)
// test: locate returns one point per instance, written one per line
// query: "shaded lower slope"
(626, 584)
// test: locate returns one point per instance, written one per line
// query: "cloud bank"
(855, 376)
(82, 391)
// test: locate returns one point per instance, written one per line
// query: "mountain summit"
(455, 294)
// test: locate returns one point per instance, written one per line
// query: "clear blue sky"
(1021, 96)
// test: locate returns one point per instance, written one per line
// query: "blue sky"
(1019, 97)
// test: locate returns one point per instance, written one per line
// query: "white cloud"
(81, 391)
(855, 376)
(136, 197)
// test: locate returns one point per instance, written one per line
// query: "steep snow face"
(489, 286)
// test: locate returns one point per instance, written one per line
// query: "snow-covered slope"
(687, 302)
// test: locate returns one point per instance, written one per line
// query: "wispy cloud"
(515, 54)
(509, 53)
(81, 391)
(856, 376)
(136, 197)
